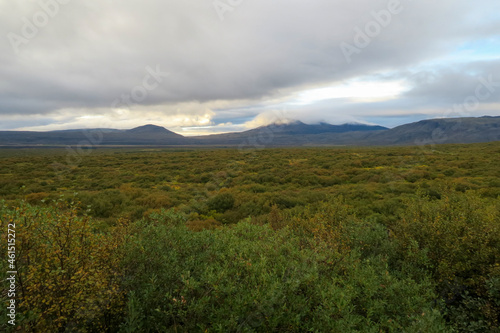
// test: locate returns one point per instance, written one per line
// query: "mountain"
(436, 131)
(432, 131)
(143, 135)
(149, 129)
(295, 133)
(299, 128)
(425, 132)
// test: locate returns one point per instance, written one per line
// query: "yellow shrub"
(67, 273)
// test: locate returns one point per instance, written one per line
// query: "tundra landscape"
(250, 166)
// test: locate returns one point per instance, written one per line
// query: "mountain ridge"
(295, 133)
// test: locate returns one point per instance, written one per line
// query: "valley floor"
(292, 239)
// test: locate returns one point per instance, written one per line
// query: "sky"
(212, 66)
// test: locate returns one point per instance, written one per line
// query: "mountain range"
(296, 133)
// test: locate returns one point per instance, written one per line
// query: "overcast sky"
(204, 66)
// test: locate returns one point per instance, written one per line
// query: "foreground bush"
(248, 278)
(456, 240)
(316, 268)
(67, 273)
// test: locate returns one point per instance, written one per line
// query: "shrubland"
(306, 239)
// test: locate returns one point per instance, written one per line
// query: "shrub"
(67, 274)
(221, 202)
(456, 239)
(199, 225)
(249, 278)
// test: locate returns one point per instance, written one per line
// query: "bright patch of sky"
(358, 90)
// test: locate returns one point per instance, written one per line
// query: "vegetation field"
(398, 239)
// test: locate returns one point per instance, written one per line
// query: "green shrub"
(457, 240)
(251, 278)
(221, 202)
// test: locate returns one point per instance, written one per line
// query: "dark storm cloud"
(91, 53)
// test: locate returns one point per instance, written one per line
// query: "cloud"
(89, 54)
(454, 83)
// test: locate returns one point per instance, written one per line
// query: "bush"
(251, 278)
(457, 240)
(221, 202)
(199, 225)
(67, 274)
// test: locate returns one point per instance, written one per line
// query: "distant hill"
(448, 130)
(291, 134)
(143, 135)
(432, 131)
(299, 128)
(150, 129)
